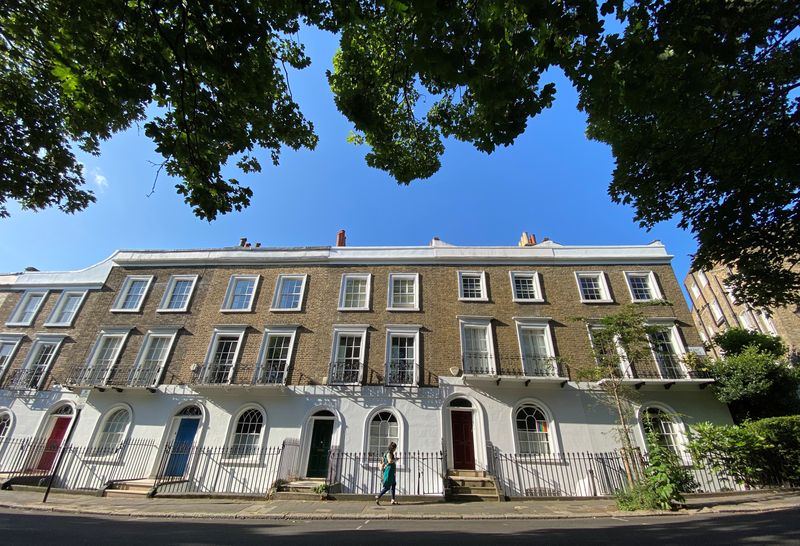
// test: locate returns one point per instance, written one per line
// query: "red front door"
(53, 443)
(463, 448)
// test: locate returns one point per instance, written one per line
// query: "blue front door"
(181, 448)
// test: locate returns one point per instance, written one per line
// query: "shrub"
(756, 453)
(736, 340)
(639, 497)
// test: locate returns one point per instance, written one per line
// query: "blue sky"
(552, 182)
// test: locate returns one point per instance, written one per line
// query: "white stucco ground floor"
(461, 425)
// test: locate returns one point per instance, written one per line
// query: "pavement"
(434, 509)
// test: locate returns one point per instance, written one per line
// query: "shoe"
(394, 501)
(378, 501)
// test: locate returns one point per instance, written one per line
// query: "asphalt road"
(780, 527)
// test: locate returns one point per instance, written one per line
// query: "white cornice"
(92, 277)
(654, 253)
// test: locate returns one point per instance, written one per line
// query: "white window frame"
(531, 323)
(677, 347)
(624, 364)
(277, 295)
(59, 308)
(390, 304)
(655, 291)
(235, 451)
(345, 278)
(537, 286)
(484, 293)
(602, 281)
(716, 312)
(91, 361)
(552, 437)
(484, 323)
(674, 417)
(56, 340)
(768, 323)
(747, 321)
(170, 289)
(125, 288)
(14, 340)
(703, 279)
(695, 290)
(171, 334)
(15, 318)
(103, 450)
(407, 331)
(376, 457)
(226, 302)
(348, 330)
(219, 332)
(270, 332)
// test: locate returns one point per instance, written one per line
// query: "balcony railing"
(479, 363)
(401, 373)
(345, 372)
(212, 374)
(270, 373)
(23, 379)
(540, 366)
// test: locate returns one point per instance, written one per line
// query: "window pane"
(476, 350)
(242, 293)
(40, 363)
(248, 433)
(103, 360)
(5, 425)
(382, 431)
(668, 361)
(219, 369)
(532, 431)
(113, 431)
(403, 292)
(68, 309)
(134, 294)
(536, 361)
(179, 297)
(355, 293)
(30, 307)
(640, 287)
(5, 353)
(291, 291)
(348, 359)
(524, 287)
(154, 357)
(276, 359)
(471, 286)
(590, 287)
(665, 428)
(401, 360)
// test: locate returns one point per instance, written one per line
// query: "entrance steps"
(130, 488)
(471, 485)
(300, 489)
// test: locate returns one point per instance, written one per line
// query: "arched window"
(5, 425)
(666, 428)
(533, 431)
(113, 432)
(248, 433)
(63, 410)
(383, 429)
(190, 411)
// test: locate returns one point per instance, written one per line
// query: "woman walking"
(388, 466)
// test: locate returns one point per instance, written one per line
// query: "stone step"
(125, 493)
(475, 498)
(467, 473)
(471, 482)
(484, 491)
(295, 495)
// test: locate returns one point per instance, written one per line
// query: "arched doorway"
(184, 429)
(55, 431)
(320, 444)
(462, 435)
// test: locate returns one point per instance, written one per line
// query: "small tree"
(736, 340)
(620, 342)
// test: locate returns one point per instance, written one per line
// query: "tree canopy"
(697, 98)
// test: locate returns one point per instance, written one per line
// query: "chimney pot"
(532, 239)
(247, 245)
(258, 245)
(341, 239)
(31, 268)
(242, 241)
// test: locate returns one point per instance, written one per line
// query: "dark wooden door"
(463, 447)
(53, 443)
(320, 446)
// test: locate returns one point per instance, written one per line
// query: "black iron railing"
(417, 472)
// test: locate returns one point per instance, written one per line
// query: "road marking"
(619, 519)
(362, 525)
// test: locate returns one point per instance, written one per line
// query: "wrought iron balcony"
(479, 363)
(344, 373)
(25, 379)
(400, 373)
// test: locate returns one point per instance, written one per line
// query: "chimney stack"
(527, 240)
(341, 240)
(243, 241)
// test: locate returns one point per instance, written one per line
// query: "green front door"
(320, 446)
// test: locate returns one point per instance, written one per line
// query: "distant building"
(715, 310)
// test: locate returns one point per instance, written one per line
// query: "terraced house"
(229, 369)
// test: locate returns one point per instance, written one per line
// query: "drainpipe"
(61, 455)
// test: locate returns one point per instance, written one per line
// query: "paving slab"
(210, 508)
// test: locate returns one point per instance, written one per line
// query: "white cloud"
(99, 179)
